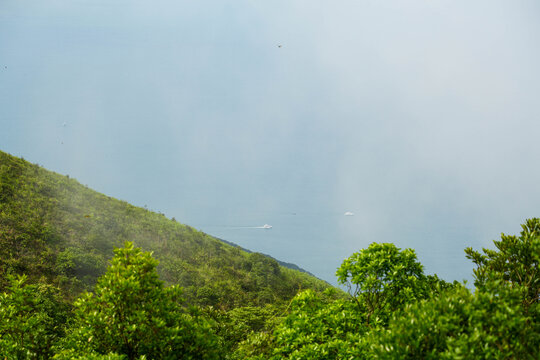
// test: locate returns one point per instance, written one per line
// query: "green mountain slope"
(58, 231)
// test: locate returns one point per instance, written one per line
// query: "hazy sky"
(421, 117)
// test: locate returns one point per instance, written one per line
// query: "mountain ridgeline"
(57, 231)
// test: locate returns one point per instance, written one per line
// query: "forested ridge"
(86, 276)
(55, 230)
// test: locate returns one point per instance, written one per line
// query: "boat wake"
(265, 226)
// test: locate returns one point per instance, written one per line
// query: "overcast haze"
(421, 117)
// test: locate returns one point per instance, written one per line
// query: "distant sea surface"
(319, 241)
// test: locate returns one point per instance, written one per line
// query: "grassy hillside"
(58, 231)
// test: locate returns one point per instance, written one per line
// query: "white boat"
(349, 213)
(266, 226)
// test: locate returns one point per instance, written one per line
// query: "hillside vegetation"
(73, 287)
(57, 231)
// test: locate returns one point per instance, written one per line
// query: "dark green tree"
(132, 313)
(489, 324)
(32, 320)
(515, 261)
(319, 327)
(500, 320)
(382, 278)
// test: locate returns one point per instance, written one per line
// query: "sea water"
(319, 241)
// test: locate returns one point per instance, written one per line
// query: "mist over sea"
(420, 117)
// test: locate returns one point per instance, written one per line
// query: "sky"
(420, 117)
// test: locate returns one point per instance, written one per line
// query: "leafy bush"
(382, 278)
(489, 324)
(32, 319)
(319, 327)
(133, 314)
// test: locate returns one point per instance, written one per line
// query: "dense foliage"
(382, 278)
(515, 262)
(489, 324)
(131, 312)
(32, 319)
(61, 297)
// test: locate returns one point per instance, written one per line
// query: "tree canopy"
(132, 313)
(382, 278)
